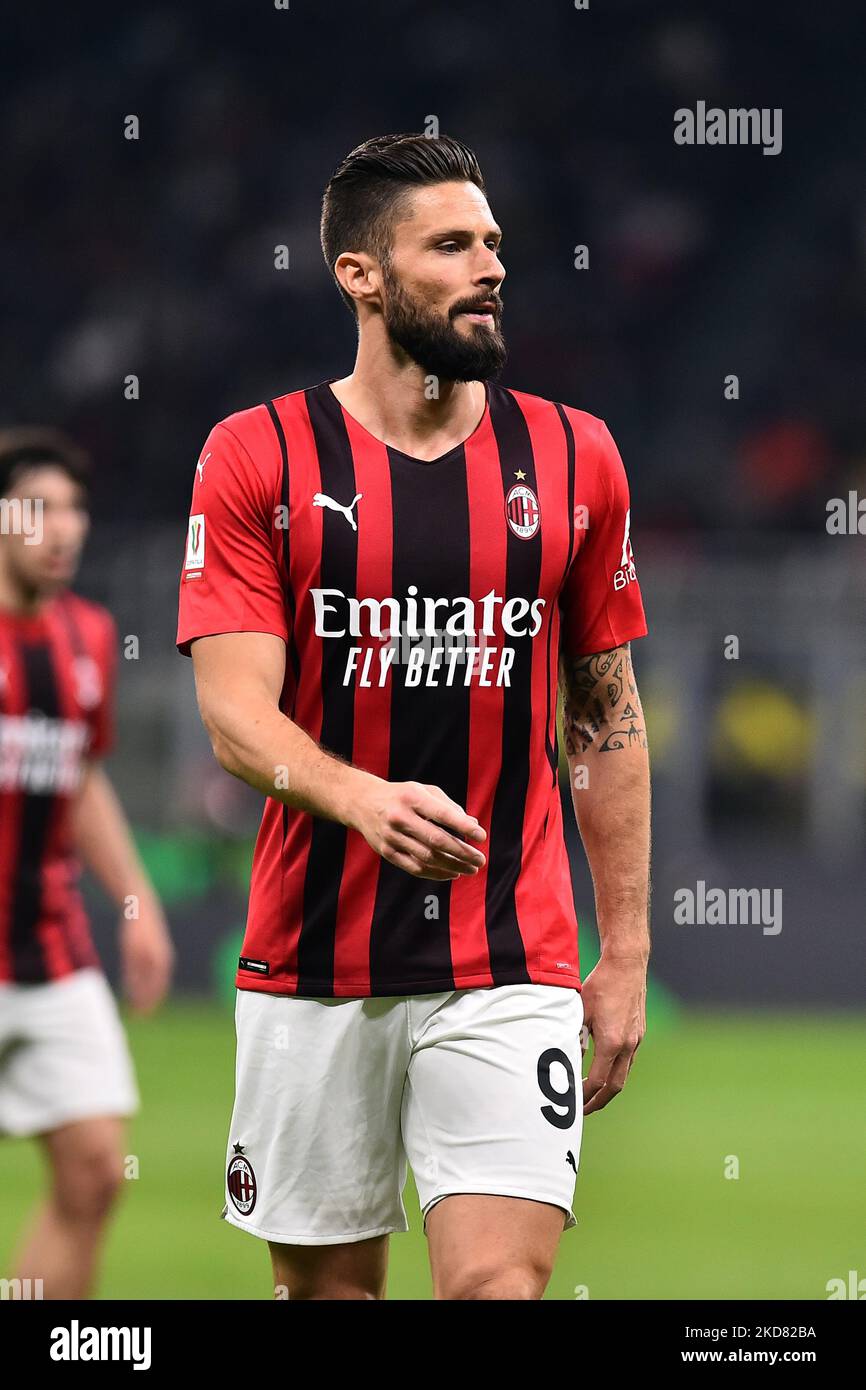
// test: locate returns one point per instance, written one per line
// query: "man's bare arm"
(239, 679)
(608, 762)
(606, 750)
(105, 843)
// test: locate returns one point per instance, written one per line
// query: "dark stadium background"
(155, 258)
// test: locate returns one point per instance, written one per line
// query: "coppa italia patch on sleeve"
(195, 543)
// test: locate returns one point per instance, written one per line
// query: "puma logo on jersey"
(200, 468)
(321, 499)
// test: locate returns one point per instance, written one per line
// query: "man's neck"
(20, 599)
(394, 404)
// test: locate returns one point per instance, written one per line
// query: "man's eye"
(443, 245)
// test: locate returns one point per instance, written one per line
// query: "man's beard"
(435, 343)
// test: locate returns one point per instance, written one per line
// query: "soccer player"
(386, 576)
(65, 1071)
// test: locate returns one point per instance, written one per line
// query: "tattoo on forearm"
(601, 706)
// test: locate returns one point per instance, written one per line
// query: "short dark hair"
(368, 190)
(37, 446)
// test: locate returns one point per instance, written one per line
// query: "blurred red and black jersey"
(423, 605)
(56, 687)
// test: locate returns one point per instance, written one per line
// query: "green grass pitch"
(657, 1217)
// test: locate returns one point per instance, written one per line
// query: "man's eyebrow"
(461, 233)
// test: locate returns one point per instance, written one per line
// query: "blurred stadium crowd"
(155, 256)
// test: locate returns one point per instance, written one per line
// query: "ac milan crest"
(522, 511)
(88, 682)
(241, 1181)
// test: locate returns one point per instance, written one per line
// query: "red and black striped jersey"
(56, 692)
(423, 605)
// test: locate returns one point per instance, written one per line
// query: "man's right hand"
(416, 827)
(239, 678)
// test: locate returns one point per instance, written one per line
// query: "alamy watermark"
(22, 1290)
(79, 1342)
(22, 516)
(738, 125)
(846, 516)
(703, 906)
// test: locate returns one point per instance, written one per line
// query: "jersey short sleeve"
(601, 602)
(102, 716)
(231, 578)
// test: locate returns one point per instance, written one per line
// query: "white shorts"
(63, 1054)
(478, 1089)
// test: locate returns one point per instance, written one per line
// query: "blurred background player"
(66, 1075)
